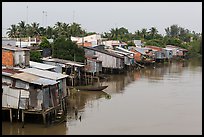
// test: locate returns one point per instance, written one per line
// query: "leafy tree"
(156, 42)
(195, 48)
(173, 41)
(45, 43)
(66, 49)
(35, 55)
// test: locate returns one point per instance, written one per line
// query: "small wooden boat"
(91, 88)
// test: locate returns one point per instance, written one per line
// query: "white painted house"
(95, 39)
(26, 42)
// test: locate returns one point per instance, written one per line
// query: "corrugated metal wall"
(10, 97)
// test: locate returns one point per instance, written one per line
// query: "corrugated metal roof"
(67, 62)
(30, 78)
(140, 50)
(41, 65)
(155, 48)
(103, 51)
(124, 50)
(13, 48)
(95, 60)
(45, 73)
(119, 52)
(12, 71)
(9, 72)
(6, 74)
(166, 48)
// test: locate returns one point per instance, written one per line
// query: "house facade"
(14, 56)
(109, 60)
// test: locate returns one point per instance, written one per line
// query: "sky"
(102, 16)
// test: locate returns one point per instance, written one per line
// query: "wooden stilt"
(10, 115)
(44, 118)
(72, 81)
(22, 118)
(18, 114)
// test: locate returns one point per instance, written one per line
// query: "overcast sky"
(102, 16)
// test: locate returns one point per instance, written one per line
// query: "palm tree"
(144, 33)
(76, 30)
(137, 34)
(42, 31)
(153, 32)
(174, 30)
(12, 31)
(22, 29)
(29, 32)
(58, 29)
(65, 30)
(114, 33)
(35, 28)
(49, 32)
(167, 30)
(107, 35)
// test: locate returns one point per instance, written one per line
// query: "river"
(162, 100)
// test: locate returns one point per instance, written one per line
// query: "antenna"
(27, 14)
(46, 19)
(73, 15)
(43, 18)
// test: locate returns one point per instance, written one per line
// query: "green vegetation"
(35, 55)
(33, 30)
(175, 35)
(44, 43)
(65, 49)
(195, 48)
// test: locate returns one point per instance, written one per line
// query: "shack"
(159, 55)
(168, 53)
(30, 94)
(177, 51)
(128, 57)
(110, 62)
(71, 68)
(14, 56)
(60, 78)
(142, 55)
(93, 66)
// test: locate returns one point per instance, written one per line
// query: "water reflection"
(117, 83)
(32, 129)
(80, 99)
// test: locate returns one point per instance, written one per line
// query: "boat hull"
(91, 88)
